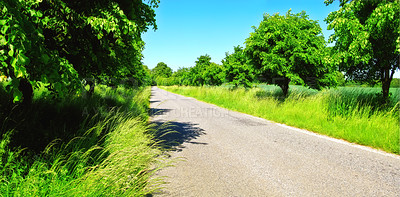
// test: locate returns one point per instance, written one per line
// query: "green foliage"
(147, 79)
(161, 70)
(237, 70)
(163, 81)
(341, 81)
(290, 47)
(395, 83)
(102, 31)
(104, 146)
(182, 76)
(59, 42)
(24, 55)
(367, 40)
(206, 72)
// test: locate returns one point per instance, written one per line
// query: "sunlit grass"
(346, 113)
(112, 153)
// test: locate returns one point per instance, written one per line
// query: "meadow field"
(355, 114)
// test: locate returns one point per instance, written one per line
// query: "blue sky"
(190, 28)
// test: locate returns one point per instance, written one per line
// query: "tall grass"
(103, 146)
(353, 114)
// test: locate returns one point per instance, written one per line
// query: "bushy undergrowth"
(79, 146)
(354, 114)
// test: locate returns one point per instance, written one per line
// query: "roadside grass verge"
(79, 146)
(352, 114)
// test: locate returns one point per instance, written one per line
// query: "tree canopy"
(161, 70)
(367, 39)
(206, 72)
(238, 72)
(182, 76)
(59, 42)
(289, 47)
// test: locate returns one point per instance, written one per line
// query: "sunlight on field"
(353, 114)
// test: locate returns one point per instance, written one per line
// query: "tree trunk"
(284, 85)
(91, 84)
(386, 79)
(27, 91)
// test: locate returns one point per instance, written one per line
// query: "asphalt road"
(226, 153)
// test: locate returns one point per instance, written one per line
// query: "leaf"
(3, 40)
(22, 59)
(4, 64)
(43, 79)
(13, 86)
(4, 29)
(17, 95)
(45, 58)
(11, 51)
(14, 63)
(22, 71)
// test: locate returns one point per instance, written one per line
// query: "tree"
(367, 40)
(161, 70)
(396, 83)
(101, 38)
(59, 42)
(182, 76)
(237, 70)
(24, 56)
(147, 74)
(340, 78)
(290, 47)
(206, 72)
(213, 74)
(199, 68)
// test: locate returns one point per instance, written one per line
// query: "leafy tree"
(367, 39)
(237, 70)
(213, 74)
(147, 75)
(59, 42)
(163, 81)
(197, 71)
(100, 38)
(182, 76)
(340, 78)
(206, 72)
(161, 70)
(396, 83)
(24, 56)
(290, 47)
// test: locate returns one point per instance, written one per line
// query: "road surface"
(226, 153)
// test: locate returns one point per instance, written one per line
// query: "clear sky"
(190, 28)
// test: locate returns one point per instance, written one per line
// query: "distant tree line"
(290, 49)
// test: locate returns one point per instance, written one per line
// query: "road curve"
(227, 153)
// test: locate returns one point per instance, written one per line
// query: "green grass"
(79, 146)
(354, 114)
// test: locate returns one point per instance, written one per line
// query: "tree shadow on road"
(155, 101)
(171, 135)
(157, 112)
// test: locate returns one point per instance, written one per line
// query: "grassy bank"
(78, 146)
(354, 114)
